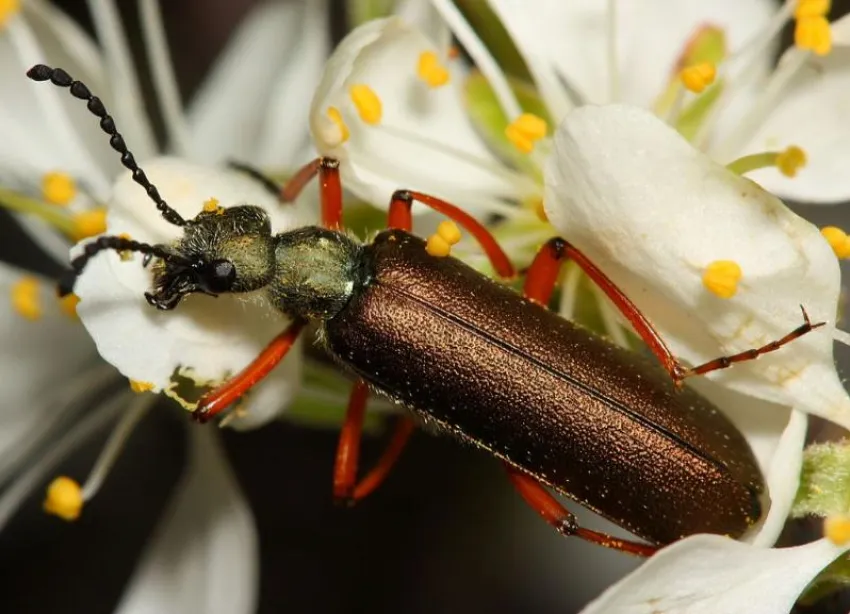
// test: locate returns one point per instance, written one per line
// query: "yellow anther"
(68, 305)
(836, 529)
(431, 71)
(89, 223)
(58, 188)
(838, 241)
(336, 117)
(812, 8)
(140, 387)
(64, 498)
(540, 210)
(525, 131)
(8, 9)
(813, 34)
(698, 76)
(790, 161)
(437, 246)
(449, 232)
(367, 102)
(26, 299)
(721, 278)
(211, 205)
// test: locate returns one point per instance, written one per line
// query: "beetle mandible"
(559, 406)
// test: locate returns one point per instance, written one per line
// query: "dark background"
(445, 533)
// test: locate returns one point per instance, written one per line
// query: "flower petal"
(809, 111)
(203, 556)
(260, 115)
(37, 357)
(206, 339)
(422, 140)
(709, 573)
(650, 36)
(653, 213)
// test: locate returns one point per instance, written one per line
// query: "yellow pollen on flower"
(525, 131)
(140, 387)
(367, 103)
(64, 498)
(431, 71)
(721, 278)
(838, 241)
(791, 160)
(211, 205)
(26, 298)
(449, 232)
(813, 34)
(836, 528)
(336, 117)
(126, 254)
(437, 246)
(89, 223)
(812, 8)
(58, 188)
(698, 76)
(68, 305)
(8, 9)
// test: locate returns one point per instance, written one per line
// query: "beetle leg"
(330, 187)
(727, 361)
(217, 400)
(345, 487)
(400, 217)
(554, 513)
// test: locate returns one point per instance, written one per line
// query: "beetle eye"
(220, 275)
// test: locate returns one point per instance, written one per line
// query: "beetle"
(466, 356)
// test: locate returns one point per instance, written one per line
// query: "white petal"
(212, 337)
(254, 105)
(424, 140)
(653, 212)
(650, 37)
(810, 111)
(36, 358)
(707, 574)
(203, 556)
(777, 436)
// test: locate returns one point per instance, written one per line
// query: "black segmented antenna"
(119, 244)
(78, 89)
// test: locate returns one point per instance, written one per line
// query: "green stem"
(753, 162)
(53, 215)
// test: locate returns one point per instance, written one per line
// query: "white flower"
(709, 573)
(53, 153)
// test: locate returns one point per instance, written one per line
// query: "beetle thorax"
(317, 272)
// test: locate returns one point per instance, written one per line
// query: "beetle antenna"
(78, 89)
(119, 244)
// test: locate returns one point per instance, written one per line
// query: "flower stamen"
(788, 161)
(139, 387)
(525, 131)
(697, 77)
(812, 8)
(64, 498)
(8, 9)
(813, 34)
(367, 103)
(26, 299)
(836, 528)
(68, 305)
(838, 241)
(89, 223)
(58, 188)
(721, 278)
(431, 71)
